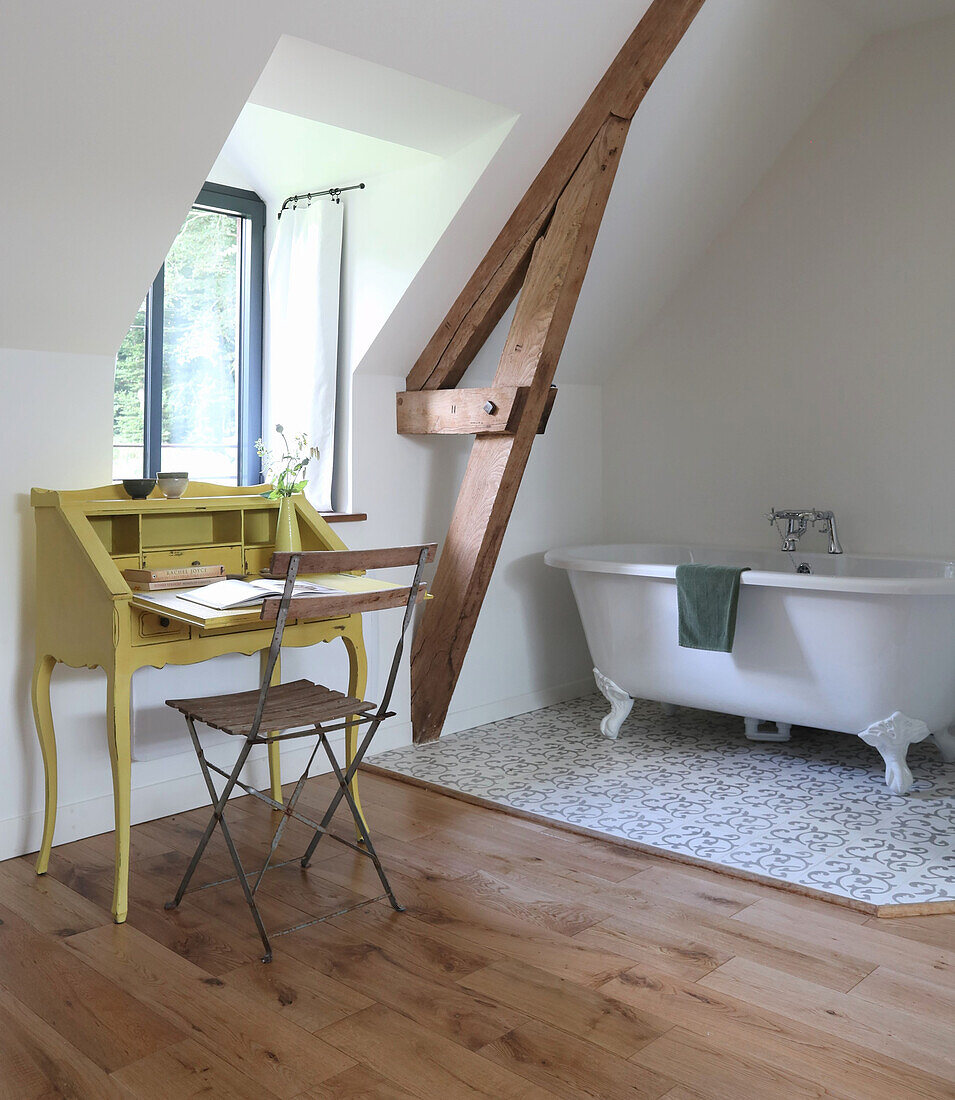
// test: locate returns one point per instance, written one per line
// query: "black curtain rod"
(335, 193)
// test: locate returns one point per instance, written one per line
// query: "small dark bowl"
(139, 487)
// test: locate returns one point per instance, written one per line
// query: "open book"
(223, 595)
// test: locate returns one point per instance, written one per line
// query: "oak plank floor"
(529, 963)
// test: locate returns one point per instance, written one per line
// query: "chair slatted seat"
(301, 709)
(287, 706)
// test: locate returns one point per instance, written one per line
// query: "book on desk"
(157, 580)
(184, 606)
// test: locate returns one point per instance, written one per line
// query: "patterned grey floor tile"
(813, 836)
(702, 842)
(770, 857)
(813, 811)
(855, 878)
(935, 880)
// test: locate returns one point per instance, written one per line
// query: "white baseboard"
(90, 817)
(19, 835)
(460, 720)
(467, 718)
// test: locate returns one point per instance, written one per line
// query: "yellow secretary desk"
(87, 616)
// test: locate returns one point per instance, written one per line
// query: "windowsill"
(343, 517)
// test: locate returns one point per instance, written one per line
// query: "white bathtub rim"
(589, 559)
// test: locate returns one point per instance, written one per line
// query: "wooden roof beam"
(491, 289)
(497, 462)
(545, 246)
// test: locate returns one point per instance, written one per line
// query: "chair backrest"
(343, 561)
(279, 609)
(334, 604)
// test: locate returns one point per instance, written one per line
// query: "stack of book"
(187, 576)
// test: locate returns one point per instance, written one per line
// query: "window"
(188, 392)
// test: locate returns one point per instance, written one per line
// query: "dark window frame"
(251, 210)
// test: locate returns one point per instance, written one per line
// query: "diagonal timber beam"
(497, 279)
(543, 251)
(497, 462)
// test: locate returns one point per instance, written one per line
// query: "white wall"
(390, 230)
(109, 153)
(408, 486)
(808, 359)
(745, 77)
(111, 115)
(57, 427)
(527, 650)
(57, 432)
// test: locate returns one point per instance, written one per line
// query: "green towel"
(707, 597)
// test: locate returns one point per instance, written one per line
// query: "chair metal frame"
(344, 777)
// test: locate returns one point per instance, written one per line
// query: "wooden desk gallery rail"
(86, 614)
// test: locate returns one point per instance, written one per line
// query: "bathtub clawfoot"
(945, 740)
(620, 705)
(892, 737)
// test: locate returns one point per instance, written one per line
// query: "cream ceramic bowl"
(172, 485)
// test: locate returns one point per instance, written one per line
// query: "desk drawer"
(149, 627)
(229, 556)
(257, 558)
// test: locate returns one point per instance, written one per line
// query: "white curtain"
(304, 279)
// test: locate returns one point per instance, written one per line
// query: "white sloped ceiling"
(113, 114)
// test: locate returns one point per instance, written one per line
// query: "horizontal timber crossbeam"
(494, 409)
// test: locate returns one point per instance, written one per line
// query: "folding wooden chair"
(284, 708)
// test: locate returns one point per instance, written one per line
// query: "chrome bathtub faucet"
(797, 524)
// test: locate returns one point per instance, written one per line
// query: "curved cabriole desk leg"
(117, 724)
(118, 735)
(43, 717)
(357, 683)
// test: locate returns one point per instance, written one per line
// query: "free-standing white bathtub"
(862, 645)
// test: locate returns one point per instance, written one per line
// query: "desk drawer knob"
(163, 621)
